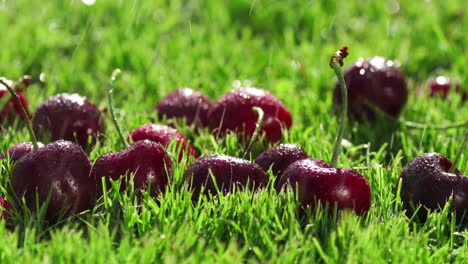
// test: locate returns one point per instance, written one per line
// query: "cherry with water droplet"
(233, 112)
(185, 103)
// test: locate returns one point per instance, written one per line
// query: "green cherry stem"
(258, 126)
(23, 111)
(336, 62)
(110, 90)
(414, 125)
(460, 152)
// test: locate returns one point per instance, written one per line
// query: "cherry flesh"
(374, 82)
(227, 172)
(163, 135)
(60, 168)
(233, 111)
(315, 182)
(147, 160)
(68, 116)
(185, 103)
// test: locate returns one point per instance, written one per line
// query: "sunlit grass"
(213, 46)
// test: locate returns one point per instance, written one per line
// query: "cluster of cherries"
(62, 174)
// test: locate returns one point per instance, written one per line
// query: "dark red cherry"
(280, 157)
(147, 160)
(440, 86)
(4, 208)
(233, 111)
(426, 181)
(68, 116)
(374, 82)
(11, 109)
(19, 150)
(317, 182)
(227, 172)
(163, 135)
(60, 168)
(185, 103)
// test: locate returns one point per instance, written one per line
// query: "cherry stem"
(23, 111)
(460, 152)
(415, 124)
(344, 112)
(258, 126)
(110, 90)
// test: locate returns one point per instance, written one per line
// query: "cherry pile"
(61, 174)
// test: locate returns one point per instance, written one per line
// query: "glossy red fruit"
(440, 86)
(185, 103)
(426, 181)
(280, 157)
(147, 160)
(227, 172)
(61, 168)
(374, 82)
(4, 208)
(317, 182)
(233, 111)
(68, 116)
(19, 150)
(163, 135)
(6, 113)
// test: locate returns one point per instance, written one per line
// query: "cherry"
(4, 208)
(185, 103)
(19, 150)
(224, 173)
(233, 111)
(57, 173)
(440, 86)
(163, 135)
(315, 181)
(60, 169)
(68, 116)
(427, 181)
(147, 160)
(280, 157)
(374, 82)
(6, 115)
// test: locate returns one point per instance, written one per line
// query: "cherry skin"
(19, 150)
(6, 115)
(280, 157)
(185, 103)
(233, 111)
(227, 171)
(147, 160)
(426, 181)
(60, 168)
(374, 82)
(5, 208)
(163, 135)
(317, 182)
(68, 116)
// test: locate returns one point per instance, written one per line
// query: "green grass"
(282, 46)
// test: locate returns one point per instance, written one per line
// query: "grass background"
(213, 46)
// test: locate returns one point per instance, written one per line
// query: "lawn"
(214, 46)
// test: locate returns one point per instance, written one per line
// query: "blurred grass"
(282, 46)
